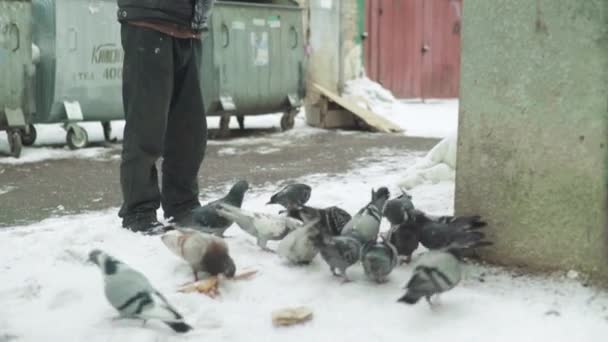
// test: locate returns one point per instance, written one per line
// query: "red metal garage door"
(413, 46)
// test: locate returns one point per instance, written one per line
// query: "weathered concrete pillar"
(533, 132)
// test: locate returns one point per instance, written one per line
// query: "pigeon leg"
(433, 304)
(345, 278)
(333, 271)
(195, 275)
(428, 300)
(262, 243)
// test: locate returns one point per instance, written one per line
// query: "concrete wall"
(352, 47)
(533, 131)
(347, 25)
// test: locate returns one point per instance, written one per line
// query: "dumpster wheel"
(288, 119)
(28, 135)
(77, 137)
(15, 143)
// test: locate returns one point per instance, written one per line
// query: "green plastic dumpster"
(15, 69)
(253, 60)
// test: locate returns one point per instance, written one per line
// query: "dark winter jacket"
(190, 14)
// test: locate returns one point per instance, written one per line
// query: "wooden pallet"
(374, 121)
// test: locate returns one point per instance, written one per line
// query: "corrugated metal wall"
(413, 46)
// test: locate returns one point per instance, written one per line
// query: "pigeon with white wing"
(130, 292)
(298, 247)
(203, 252)
(435, 272)
(263, 226)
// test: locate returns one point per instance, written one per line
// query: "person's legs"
(186, 137)
(147, 91)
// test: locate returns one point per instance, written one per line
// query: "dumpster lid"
(266, 2)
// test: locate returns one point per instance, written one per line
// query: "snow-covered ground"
(49, 293)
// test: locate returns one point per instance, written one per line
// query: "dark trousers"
(165, 117)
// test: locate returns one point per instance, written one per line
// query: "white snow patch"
(429, 118)
(227, 151)
(438, 165)
(49, 292)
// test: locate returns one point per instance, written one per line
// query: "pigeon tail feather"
(179, 327)
(469, 239)
(410, 297)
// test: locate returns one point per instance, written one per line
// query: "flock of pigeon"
(342, 241)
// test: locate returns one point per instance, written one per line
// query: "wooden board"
(375, 121)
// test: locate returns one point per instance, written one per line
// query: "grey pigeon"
(367, 221)
(435, 272)
(130, 292)
(398, 209)
(404, 237)
(340, 252)
(298, 247)
(452, 233)
(378, 259)
(292, 196)
(262, 226)
(206, 218)
(331, 220)
(204, 252)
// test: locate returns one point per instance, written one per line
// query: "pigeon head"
(381, 193)
(405, 194)
(229, 267)
(217, 261)
(94, 256)
(393, 211)
(108, 264)
(380, 197)
(237, 192)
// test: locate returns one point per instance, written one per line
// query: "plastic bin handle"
(226, 35)
(293, 30)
